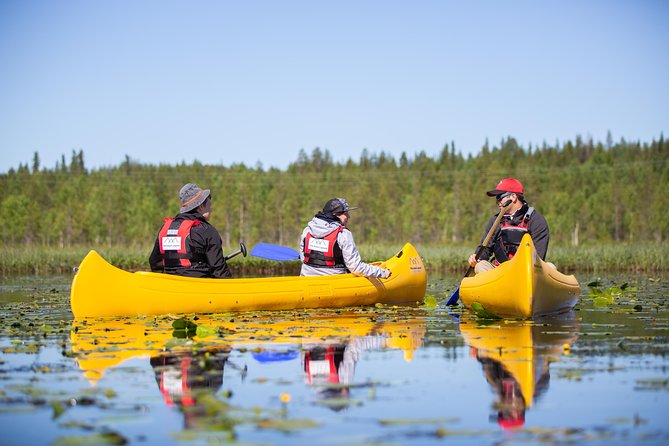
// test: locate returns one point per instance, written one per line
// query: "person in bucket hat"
(187, 245)
(327, 246)
(519, 218)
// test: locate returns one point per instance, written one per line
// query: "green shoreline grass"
(620, 257)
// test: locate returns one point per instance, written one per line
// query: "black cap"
(337, 206)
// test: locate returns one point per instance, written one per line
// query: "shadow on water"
(408, 375)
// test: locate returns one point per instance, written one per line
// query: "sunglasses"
(503, 196)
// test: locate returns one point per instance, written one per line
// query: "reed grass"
(627, 257)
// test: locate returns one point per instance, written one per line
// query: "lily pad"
(482, 313)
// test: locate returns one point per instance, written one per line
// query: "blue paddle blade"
(272, 356)
(274, 252)
(454, 297)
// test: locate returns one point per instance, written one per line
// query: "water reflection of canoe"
(100, 289)
(101, 344)
(525, 286)
(515, 359)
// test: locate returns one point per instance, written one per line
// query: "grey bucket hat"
(192, 196)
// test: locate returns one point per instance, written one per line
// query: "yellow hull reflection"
(101, 344)
(515, 358)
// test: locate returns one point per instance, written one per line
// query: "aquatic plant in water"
(603, 296)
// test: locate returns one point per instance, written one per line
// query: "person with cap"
(327, 246)
(187, 245)
(518, 220)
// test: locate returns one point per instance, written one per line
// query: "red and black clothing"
(507, 237)
(328, 254)
(188, 245)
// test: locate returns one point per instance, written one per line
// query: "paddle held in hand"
(456, 294)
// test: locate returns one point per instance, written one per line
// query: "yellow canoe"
(100, 289)
(525, 286)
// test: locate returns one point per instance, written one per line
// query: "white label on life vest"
(320, 245)
(171, 243)
(320, 367)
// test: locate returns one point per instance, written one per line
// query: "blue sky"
(255, 81)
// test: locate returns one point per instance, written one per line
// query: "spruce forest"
(589, 192)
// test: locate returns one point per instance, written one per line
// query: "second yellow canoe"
(524, 287)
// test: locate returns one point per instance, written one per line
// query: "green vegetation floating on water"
(605, 257)
(602, 295)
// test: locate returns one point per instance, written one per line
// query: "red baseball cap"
(511, 422)
(507, 185)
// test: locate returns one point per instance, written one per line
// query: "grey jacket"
(320, 228)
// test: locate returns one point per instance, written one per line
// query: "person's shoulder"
(203, 226)
(537, 218)
(535, 212)
(345, 234)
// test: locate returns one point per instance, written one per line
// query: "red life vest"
(322, 365)
(511, 232)
(324, 252)
(174, 385)
(173, 239)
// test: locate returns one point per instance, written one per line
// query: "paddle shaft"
(488, 236)
(241, 250)
(456, 294)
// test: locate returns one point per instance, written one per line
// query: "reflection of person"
(511, 403)
(330, 367)
(184, 376)
(519, 219)
(516, 358)
(322, 369)
(187, 245)
(327, 246)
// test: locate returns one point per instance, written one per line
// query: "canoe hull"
(100, 289)
(525, 286)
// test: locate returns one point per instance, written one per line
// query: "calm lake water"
(379, 375)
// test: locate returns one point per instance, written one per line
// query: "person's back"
(327, 246)
(319, 237)
(187, 245)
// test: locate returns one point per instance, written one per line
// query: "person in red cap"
(520, 218)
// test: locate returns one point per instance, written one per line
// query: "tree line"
(588, 191)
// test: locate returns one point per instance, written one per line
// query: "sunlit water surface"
(380, 375)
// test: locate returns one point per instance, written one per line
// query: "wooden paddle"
(456, 294)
